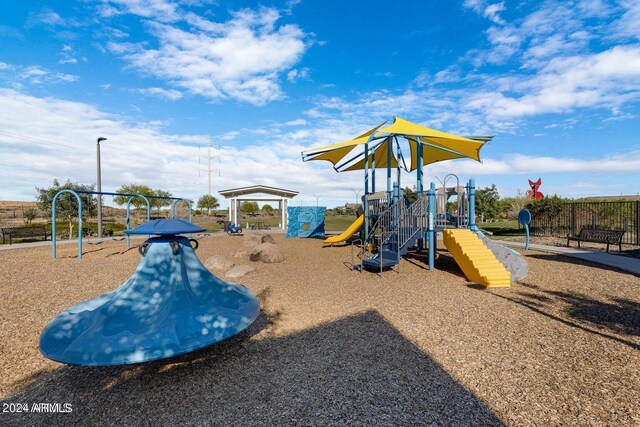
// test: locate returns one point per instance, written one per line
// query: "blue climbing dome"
(170, 305)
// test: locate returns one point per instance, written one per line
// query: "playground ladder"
(396, 229)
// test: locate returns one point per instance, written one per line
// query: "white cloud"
(17, 75)
(239, 59)
(170, 94)
(296, 122)
(165, 11)
(515, 164)
(48, 17)
(628, 26)
(143, 153)
(488, 10)
(295, 75)
(607, 79)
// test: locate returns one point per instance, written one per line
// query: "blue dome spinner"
(166, 227)
(171, 305)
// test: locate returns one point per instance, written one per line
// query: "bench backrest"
(611, 236)
(25, 231)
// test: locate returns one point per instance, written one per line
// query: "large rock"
(267, 252)
(268, 238)
(219, 262)
(252, 240)
(513, 261)
(239, 271)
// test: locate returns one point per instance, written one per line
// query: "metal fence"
(569, 218)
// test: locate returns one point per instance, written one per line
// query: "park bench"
(594, 235)
(23, 232)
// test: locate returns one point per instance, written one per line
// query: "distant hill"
(11, 211)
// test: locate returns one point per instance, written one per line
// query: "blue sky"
(556, 82)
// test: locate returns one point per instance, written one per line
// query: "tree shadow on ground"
(357, 370)
(618, 315)
(617, 319)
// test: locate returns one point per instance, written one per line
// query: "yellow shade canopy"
(336, 152)
(437, 151)
(434, 146)
(380, 154)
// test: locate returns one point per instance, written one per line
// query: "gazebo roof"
(241, 191)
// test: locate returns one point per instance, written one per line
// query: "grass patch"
(338, 222)
(503, 229)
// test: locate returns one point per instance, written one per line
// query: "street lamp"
(317, 196)
(99, 186)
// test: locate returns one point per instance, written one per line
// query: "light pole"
(317, 196)
(99, 186)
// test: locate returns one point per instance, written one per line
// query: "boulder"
(239, 271)
(267, 238)
(267, 252)
(219, 262)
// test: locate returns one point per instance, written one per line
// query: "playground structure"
(391, 224)
(170, 305)
(77, 193)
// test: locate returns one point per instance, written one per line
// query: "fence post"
(637, 222)
(573, 218)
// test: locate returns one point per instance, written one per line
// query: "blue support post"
(396, 197)
(431, 233)
(173, 208)
(128, 220)
(53, 222)
(419, 168)
(373, 172)
(389, 152)
(472, 205)
(419, 186)
(366, 191)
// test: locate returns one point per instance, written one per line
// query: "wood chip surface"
(339, 347)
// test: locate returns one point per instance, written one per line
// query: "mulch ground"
(334, 346)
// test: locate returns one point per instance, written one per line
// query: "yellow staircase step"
(475, 259)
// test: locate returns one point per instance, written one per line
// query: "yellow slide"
(475, 259)
(353, 229)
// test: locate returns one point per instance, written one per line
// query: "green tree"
(160, 203)
(67, 206)
(513, 205)
(249, 207)
(29, 215)
(208, 202)
(268, 209)
(488, 203)
(412, 196)
(137, 202)
(547, 211)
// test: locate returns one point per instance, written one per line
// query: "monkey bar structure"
(77, 193)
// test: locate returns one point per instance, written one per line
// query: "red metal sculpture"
(537, 195)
